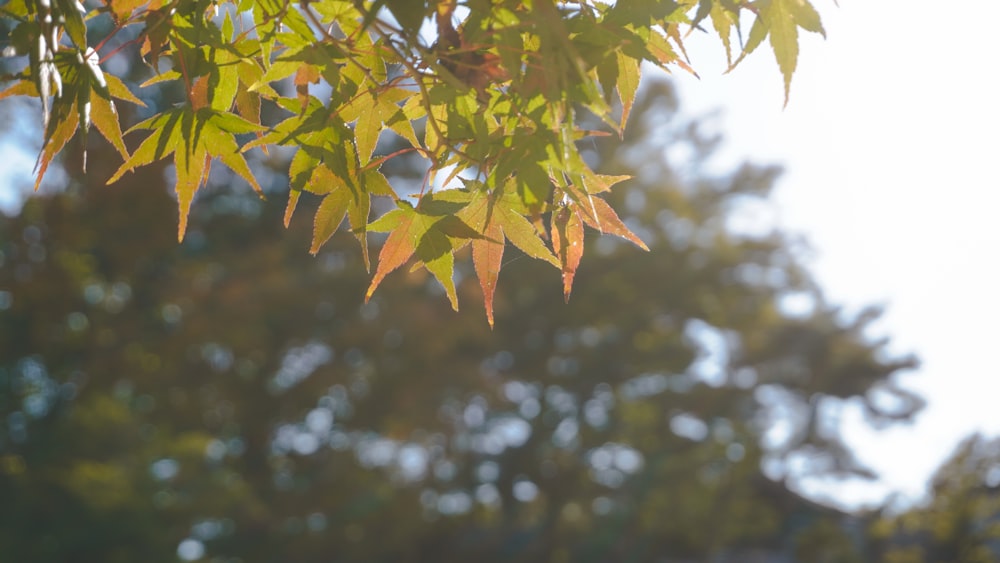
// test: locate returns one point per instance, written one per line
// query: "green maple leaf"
(87, 97)
(376, 109)
(779, 21)
(343, 195)
(331, 211)
(627, 84)
(194, 137)
(431, 232)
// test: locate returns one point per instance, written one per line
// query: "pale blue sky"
(890, 142)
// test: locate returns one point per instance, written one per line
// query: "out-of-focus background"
(887, 144)
(232, 398)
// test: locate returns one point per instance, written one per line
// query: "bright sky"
(888, 143)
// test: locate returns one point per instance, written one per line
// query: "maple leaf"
(596, 212)
(567, 240)
(431, 231)
(342, 196)
(627, 84)
(194, 137)
(495, 215)
(86, 97)
(779, 20)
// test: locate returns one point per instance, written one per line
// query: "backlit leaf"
(520, 231)
(293, 200)
(73, 20)
(21, 88)
(105, 118)
(123, 9)
(437, 253)
(784, 37)
(60, 130)
(487, 257)
(628, 84)
(807, 17)
(329, 216)
(367, 131)
(193, 137)
(400, 245)
(376, 184)
(119, 91)
(608, 222)
(190, 164)
(599, 183)
(723, 21)
(567, 241)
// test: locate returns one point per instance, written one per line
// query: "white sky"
(887, 143)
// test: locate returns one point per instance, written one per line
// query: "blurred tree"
(961, 522)
(232, 399)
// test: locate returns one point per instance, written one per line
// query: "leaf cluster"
(491, 93)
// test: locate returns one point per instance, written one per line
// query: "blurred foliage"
(233, 399)
(961, 521)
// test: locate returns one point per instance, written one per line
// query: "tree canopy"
(492, 95)
(961, 520)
